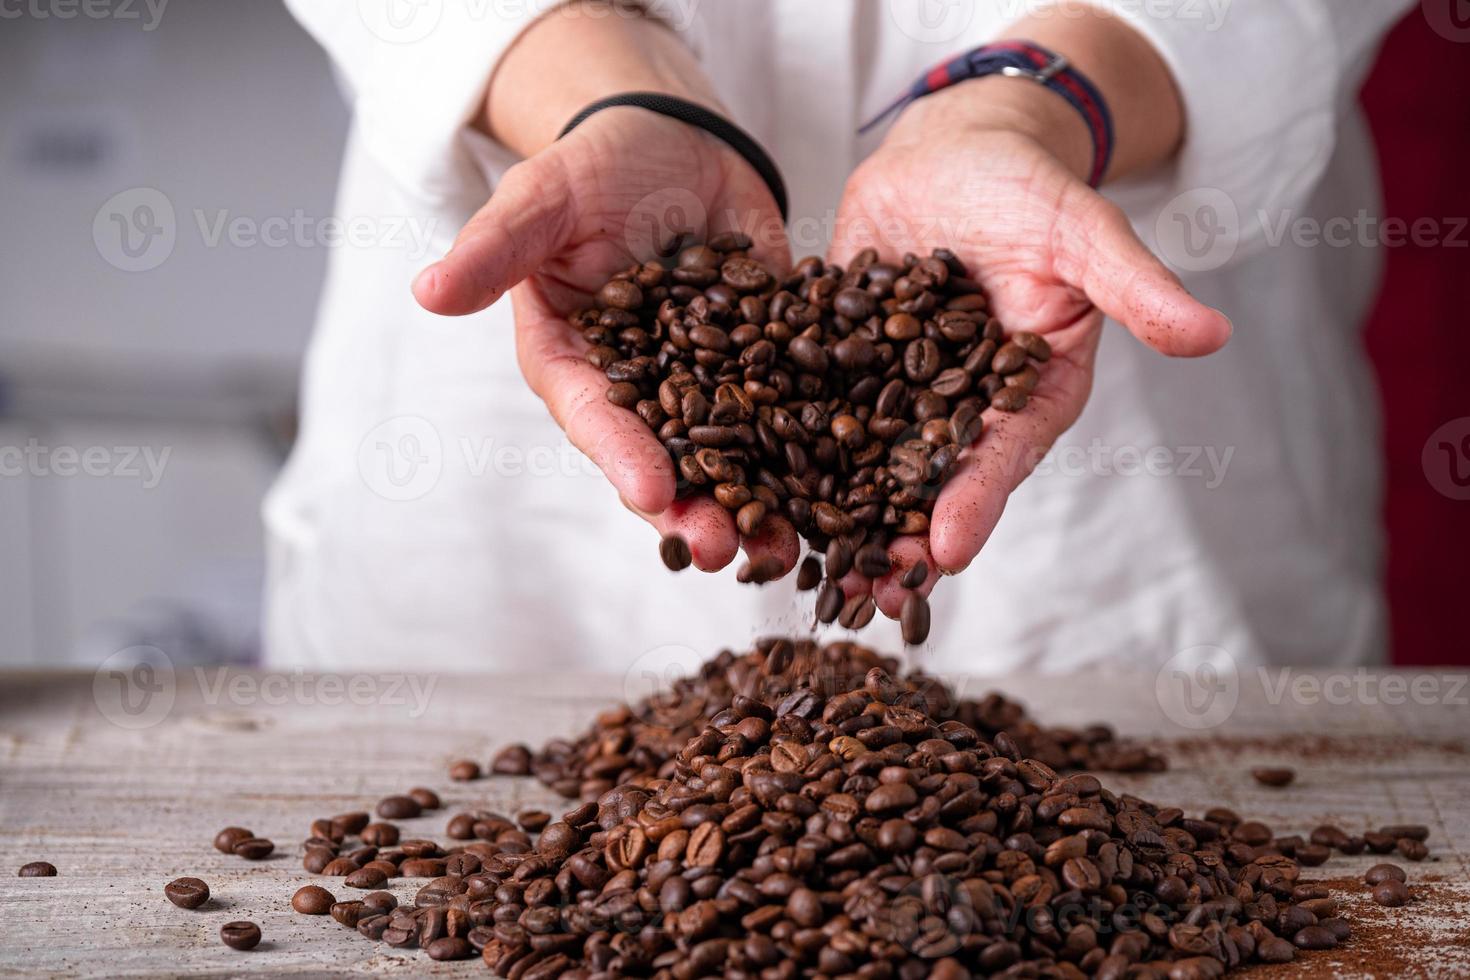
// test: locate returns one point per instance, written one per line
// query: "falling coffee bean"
(674, 551)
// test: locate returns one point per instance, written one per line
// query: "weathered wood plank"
(121, 811)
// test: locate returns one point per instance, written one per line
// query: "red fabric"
(1417, 336)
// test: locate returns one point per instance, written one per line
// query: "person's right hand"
(609, 195)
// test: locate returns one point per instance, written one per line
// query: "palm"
(1027, 230)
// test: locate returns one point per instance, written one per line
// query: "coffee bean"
(1008, 399)
(809, 574)
(1314, 937)
(674, 551)
(37, 869)
(872, 560)
(1417, 832)
(915, 576)
(425, 798)
(1274, 777)
(365, 878)
(240, 935)
(1274, 949)
(451, 948)
(348, 914)
(1384, 872)
(857, 611)
(1391, 892)
(313, 900)
(226, 839)
(533, 821)
(829, 602)
(399, 808)
(914, 619)
(620, 294)
(187, 893)
(1413, 850)
(340, 867)
(253, 848)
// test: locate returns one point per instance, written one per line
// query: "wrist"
(1002, 105)
(576, 54)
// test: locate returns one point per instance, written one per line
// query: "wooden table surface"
(123, 797)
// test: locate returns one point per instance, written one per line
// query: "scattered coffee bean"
(513, 760)
(1384, 872)
(240, 935)
(427, 799)
(399, 808)
(348, 914)
(37, 869)
(464, 770)
(253, 848)
(1412, 849)
(533, 821)
(1276, 777)
(380, 834)
(809, 574)
(452, 948)
(365, 878)
(226, 839)
(313, 900)
(1391, 892)
(187, 893)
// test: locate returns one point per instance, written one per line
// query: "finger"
(904, 552)
(528, 218)
(1101, 255)
(855, 583)
(552, 358)
(1010, 447)
(775, 538)
(705, 526)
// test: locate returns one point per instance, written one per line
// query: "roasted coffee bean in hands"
(836, 398)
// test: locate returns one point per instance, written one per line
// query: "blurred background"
(149, 361)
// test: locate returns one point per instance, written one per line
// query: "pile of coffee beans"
(637, 743)
(815, 829)
(838, 398)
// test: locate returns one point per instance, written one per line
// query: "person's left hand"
(1053, 256)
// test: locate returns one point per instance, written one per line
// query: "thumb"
(1103, 257)
(527, 220)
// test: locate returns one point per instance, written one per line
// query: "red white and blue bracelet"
(1022, 59)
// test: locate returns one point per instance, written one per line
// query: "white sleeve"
(417, 70)
(1264, 83)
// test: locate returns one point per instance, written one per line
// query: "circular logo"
(930, 917)
(652, 685)
(400, 21)
(1199, 230)
(401, 459)
(1198, 688)
(1446, 459)
(135, 230)
(662, 223)
(134, 688)
(932, 21)
(1450, 19)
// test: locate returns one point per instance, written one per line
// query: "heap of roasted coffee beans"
(839, 398)
(637, 743)
(856, 832)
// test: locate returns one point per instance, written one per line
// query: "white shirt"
(432, 515)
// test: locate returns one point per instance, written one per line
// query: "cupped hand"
(1054, 257)
(623, 188)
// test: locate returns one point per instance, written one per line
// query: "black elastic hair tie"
(696, 115)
